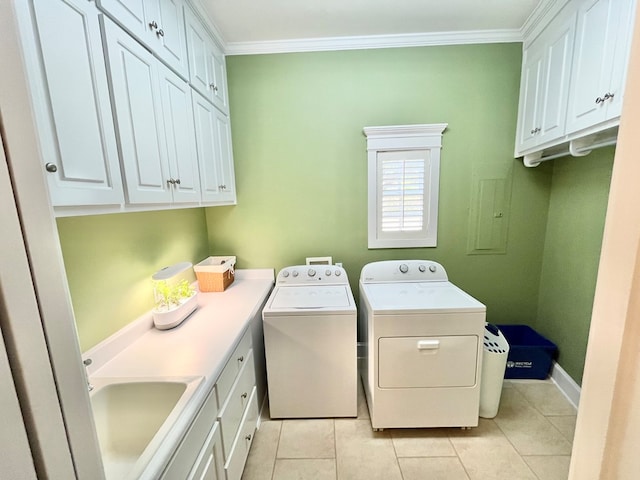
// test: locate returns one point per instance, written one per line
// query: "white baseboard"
(566, 384)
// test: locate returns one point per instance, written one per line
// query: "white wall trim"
(566, 384)
(373, 41)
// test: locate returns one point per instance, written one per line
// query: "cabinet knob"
(153, 25)
(244, 395)
(241, 358)
(248, 438)
(222, 187)
(160, 32)
(51, 167)
(177, 181)
(607, 96)
(213, 87)
(599, 100)
(171, 181)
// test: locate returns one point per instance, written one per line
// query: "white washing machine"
(310, 324)
(422, 353)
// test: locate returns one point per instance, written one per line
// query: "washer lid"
(415, 297)
(311, 297)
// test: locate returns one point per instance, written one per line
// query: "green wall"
(300, 160)
(109, 260)
(579, 192)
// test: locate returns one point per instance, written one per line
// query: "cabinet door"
(209, 465)
(136, 97)
(624, 35)
(226, 173)
(82, 146)
(133, 15)
(180, 135)
(219, 88)
(214, 152)
(171, 41)
(594, 50)
(558, 39)
(530, 91)
(198, 46)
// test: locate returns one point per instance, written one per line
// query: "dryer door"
(423, 362)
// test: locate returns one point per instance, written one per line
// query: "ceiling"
(256, 22)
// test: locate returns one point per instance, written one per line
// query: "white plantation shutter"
(404, 170)
(401, 193)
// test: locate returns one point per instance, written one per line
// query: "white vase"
(163, 320)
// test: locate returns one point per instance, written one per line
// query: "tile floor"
(530, 439)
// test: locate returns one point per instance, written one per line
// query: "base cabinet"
(218, 442)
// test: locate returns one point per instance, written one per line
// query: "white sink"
(133, 416)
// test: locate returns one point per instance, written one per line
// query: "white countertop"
(200, 346)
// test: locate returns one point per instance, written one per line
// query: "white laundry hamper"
(494, 363)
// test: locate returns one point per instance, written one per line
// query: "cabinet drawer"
(187, 453)
(235, 404)
(233, 366)
(209, 465)
(242, 444)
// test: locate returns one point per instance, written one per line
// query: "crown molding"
(540, 18)
(374, 41)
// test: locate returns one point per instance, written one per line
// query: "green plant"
(168, 295)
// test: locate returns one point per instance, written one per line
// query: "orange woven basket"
(215, 274)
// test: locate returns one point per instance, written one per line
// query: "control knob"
(328, 273)
(295, 273)
(311, 272)
(285, 274)
(338, 273)
(432, 269)
(422, 268)
(404, 268)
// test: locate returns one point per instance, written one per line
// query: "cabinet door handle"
(51, 167)
(241, 358)
(244, 395)
(177, 181)
(248, 438)
(607, 96)
(599, 100)
(171, 181)
(153, 25)
(213, 87)
(160, 32)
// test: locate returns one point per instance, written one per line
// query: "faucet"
(86, 363)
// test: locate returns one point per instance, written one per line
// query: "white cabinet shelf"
(573, 75)
(206, 64)
(600, 63)
(154, 123)
(159, 24)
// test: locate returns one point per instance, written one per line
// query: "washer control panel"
(403, 271)
(312, 274)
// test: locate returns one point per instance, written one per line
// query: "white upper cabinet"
(154, 123)
(79, 141)
(159, 24)
(545, 83)
(206, 63)
(600, 65)
(215, 157)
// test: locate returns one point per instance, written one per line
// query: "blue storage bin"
(530, 354)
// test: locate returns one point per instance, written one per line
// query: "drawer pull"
(248, 438)
(428, 344)
(244, 395)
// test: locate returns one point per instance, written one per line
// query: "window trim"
(407, 138)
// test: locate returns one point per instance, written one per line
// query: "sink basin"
(133, 417)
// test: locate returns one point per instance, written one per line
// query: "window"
(404, 170)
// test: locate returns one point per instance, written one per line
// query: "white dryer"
(310, 324)
(422, 339)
